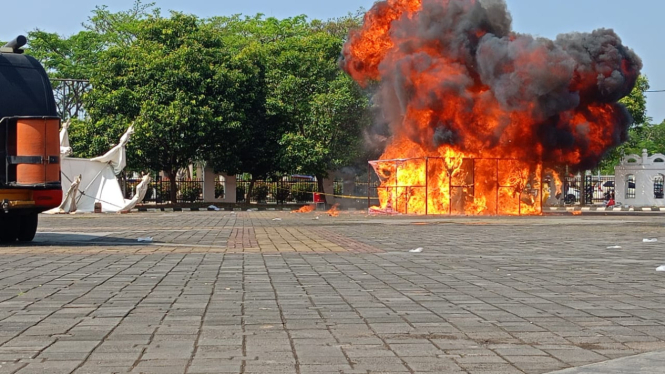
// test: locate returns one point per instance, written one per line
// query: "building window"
(630, 186)
(658, 183)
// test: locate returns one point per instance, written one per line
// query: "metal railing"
(283, 191)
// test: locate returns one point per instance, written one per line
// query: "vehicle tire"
(8, 228)
(27, 227)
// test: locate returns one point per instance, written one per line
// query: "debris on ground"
(212, 207)
(417, 250)
(146, 239)
(614, 247)
(276, 219)
(661, 268)
(649, 240)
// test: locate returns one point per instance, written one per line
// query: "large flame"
(476, 111)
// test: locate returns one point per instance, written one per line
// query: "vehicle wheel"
(8, 228)
(28, 227)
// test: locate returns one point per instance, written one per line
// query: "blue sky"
(637, 22)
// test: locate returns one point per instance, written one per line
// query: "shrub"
(240, 193)
(190, 192)
(281, 193)
(303, 192)
(161, 192)
(337, 188)
(260, 192)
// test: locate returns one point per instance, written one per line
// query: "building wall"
(648, 172)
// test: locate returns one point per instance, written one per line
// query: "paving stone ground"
(273, 292)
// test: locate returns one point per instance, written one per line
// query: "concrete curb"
(222, 210)
(604, 209)
(646, 363)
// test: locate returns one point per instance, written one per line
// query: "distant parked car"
(573, 194)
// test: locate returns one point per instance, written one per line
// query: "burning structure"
(476, 111)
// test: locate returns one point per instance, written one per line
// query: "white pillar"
(229, 188)
(200, 173)
(209, 181)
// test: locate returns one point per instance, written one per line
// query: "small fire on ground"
(333, 212)
(305, 209)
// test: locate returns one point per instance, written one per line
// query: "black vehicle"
(29, 144)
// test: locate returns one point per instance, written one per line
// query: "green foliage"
(121, 28)
(248, 94)
(338, 188)
(179, 86)
(219, 190)
(636, 102)
(303, 192)
(190, 192)
(260, 192)
(639, 132)
(160, 190)
(281, 193)
(240, 193)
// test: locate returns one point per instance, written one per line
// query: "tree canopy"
(245, 94)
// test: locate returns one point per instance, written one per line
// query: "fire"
(333, 212)
(305, 209)
(477, 111)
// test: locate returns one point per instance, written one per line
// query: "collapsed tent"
(89, 181)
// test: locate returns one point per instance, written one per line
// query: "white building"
(639, 180)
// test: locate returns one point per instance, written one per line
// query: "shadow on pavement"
(76, 239)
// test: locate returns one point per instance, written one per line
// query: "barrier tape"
(332, 194)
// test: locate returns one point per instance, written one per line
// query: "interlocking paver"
(241, 293)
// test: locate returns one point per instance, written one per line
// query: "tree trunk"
(250, 190)
(319, 182)
(173, 191)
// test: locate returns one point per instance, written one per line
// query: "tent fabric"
(96, 178)
(65, 148)
(68, 204)
(141, 190)
(98, 184)
(117, 156)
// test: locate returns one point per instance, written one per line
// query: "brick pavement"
(222, 292)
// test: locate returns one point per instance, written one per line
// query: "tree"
(177, 84)
(248, 94)
(70, 61)
(306, 115)
(637, 107)
(325, 111)
(254, 41)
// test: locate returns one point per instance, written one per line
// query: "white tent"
(98, 182)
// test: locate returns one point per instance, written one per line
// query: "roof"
(25, 89)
